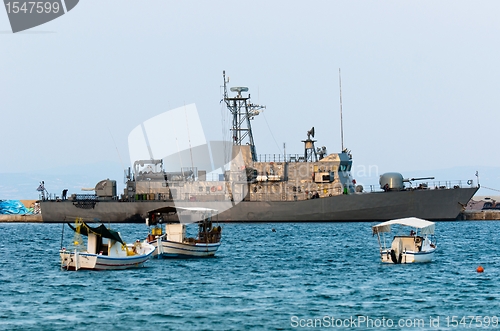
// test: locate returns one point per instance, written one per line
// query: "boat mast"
(243, 111)
(341, 121)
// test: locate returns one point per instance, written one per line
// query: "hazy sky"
(420, 79)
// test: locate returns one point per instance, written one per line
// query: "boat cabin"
(175, 221)
(103, 241)
(408, 243)
(206, 233)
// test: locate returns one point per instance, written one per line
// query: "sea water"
(299, 276)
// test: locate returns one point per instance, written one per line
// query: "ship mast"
(243, 111)
(341, 121)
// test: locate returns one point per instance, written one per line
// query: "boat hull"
(87, 261)
(409, 256)
(439, 204)
(172, 249)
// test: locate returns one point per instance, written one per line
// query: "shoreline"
(17, 218)
(480, 215)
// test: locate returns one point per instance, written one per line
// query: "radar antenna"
(310, 133)
(309, 150)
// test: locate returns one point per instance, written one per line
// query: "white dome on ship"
(391, 181)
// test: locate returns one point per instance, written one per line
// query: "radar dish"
(239, 89)
(310, 132)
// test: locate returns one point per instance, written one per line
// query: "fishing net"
(78, 243)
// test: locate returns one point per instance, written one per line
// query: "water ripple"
(259, 280)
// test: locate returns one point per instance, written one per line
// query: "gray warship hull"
(313, 186)
(432, 204)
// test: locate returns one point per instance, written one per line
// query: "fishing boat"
(105, 250)
(171, 240)
(244, 186)
(416, 245)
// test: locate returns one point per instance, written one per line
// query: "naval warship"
(313, 186)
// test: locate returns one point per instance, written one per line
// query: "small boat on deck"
(171, 240)
(417, 246)
(105, 250)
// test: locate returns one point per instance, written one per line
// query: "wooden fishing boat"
(105, 250)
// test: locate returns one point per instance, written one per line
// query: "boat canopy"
(84, 229)
(176, 214)
(425, 226)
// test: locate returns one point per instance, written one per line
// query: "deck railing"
(434, 185)
(281, 158)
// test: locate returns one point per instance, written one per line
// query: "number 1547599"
(471, 321)
(25, 7)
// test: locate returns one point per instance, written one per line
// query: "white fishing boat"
(417, 244)
(171, 240)
(105, 250)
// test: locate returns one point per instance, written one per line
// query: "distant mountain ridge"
(19, 186)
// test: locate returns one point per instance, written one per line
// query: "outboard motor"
(396, 260)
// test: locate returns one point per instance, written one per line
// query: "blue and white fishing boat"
(418, 245)
(105, 250)
(171, 240)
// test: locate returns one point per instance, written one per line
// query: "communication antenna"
(341, 122)
(189, 137)
(116, 147)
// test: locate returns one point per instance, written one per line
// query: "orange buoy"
(480, 269)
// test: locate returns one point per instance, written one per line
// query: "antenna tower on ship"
(309, 150)
(341, 121)
(243, 111)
